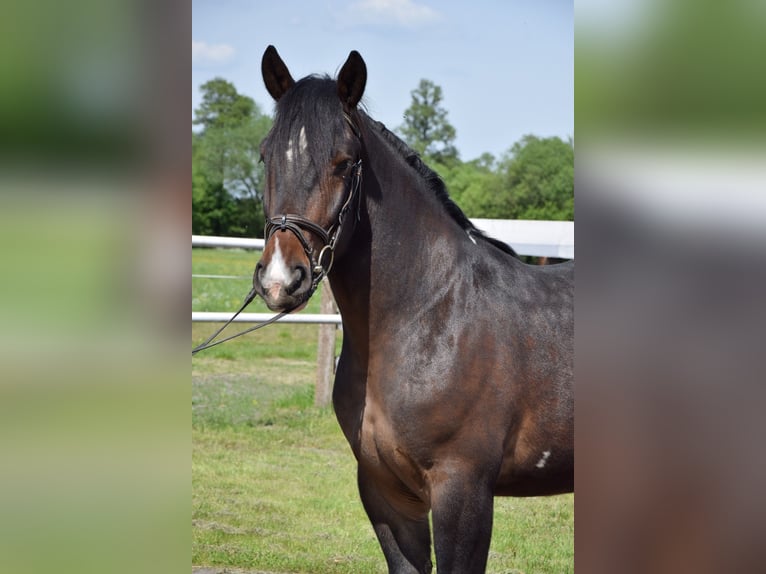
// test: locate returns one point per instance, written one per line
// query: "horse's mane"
(436, 184)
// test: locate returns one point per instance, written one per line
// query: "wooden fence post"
(325, 350)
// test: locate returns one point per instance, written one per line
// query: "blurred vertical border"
(94, 244)
(670, 315)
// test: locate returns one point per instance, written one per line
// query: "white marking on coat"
(302, 145)
(544, 459)
(276, 271)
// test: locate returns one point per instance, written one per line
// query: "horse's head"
(313, 170)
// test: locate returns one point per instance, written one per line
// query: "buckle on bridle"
(319, 268)
(283, 223)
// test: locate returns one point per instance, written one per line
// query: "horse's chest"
(387, 450)
(378, 439)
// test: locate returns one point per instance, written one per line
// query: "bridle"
(319, 270)
(321, 262)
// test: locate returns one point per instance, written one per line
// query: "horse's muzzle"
(283, 288)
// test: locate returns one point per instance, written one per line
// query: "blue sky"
(506, 68)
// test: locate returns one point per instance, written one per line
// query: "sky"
(506, 68)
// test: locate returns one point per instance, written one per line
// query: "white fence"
(213, 241)
(211, 317)
(534, 238)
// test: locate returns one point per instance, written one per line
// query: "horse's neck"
(404, 245)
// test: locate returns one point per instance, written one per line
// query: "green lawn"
(273, 479)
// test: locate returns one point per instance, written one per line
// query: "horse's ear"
(276, 76)
(352, 79)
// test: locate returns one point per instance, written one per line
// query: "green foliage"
(686, 70)
(534, 180)
(214, 210)
(539, 172)
(227, 178)
(425, 128)
(474, 186)
(222, 106)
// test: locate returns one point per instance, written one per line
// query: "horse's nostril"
(299, 276)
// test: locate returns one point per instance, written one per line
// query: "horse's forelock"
(312, 104)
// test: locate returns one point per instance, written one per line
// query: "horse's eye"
(342, 168)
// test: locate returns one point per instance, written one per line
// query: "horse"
(455, 379)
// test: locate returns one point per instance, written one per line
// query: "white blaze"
(276, 272)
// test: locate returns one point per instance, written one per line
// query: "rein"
(250, 296)
(319, 271)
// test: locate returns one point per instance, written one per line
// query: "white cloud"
(406, 13)
(204, 53)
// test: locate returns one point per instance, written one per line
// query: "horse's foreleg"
(462, 519)
(406, 541)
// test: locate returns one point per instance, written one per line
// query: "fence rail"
(534, 238)
(211, 317)
(218, 241)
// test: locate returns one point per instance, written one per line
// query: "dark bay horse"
(455, 382)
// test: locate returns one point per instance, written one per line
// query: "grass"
(273, 479)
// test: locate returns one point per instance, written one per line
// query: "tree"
(425, 128)
(533, 180)
(232, 154)
(475, 186)
(222, 106)
(538, 178)
(226, 158)
(214, 212)
(213, 208)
